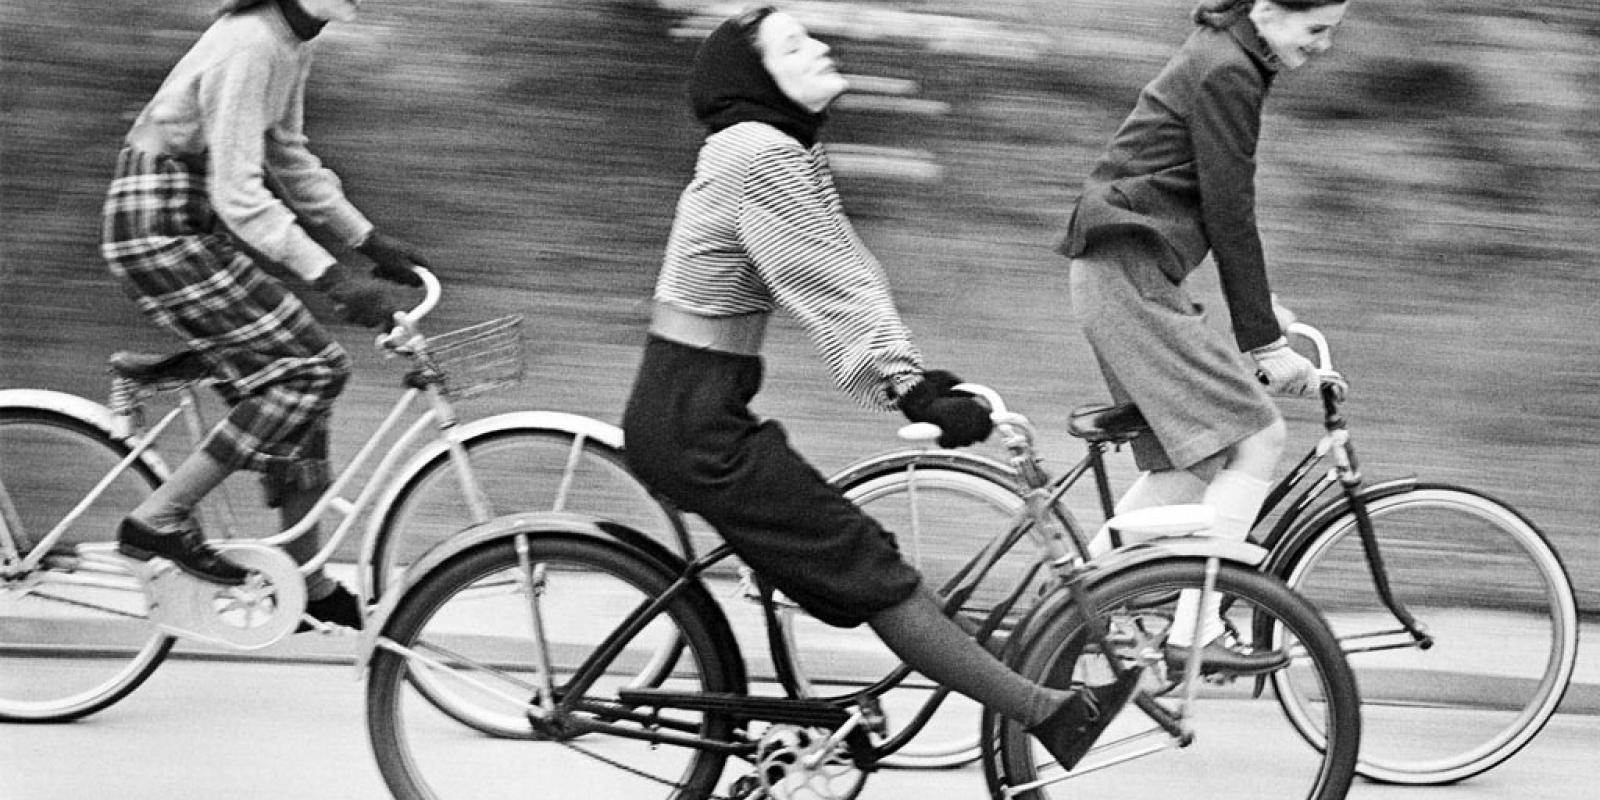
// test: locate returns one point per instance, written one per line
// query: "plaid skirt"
(275, 365)
(1156, 350)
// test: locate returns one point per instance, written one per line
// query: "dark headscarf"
(730, 85)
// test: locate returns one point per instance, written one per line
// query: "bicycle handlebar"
(405, 322)
(929, 432)
(1318, 341)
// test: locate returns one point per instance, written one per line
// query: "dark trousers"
(691, 436)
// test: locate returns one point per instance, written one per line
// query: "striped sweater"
(760, 228)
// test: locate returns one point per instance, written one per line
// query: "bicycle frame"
(123, 422)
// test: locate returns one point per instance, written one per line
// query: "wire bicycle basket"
(477, 359)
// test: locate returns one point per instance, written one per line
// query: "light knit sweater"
(237, 99)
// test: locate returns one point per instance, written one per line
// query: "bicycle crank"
(795, 763)
(253, 615)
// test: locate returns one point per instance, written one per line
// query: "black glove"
(392, 258)
(961, 417)
(358, 299)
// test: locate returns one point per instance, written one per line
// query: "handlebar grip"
(1318, 341)
(997, 405)
(405, 322)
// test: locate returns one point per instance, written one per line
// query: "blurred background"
(1429, 197)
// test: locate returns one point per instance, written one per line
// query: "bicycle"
(1384, 561)
(603, 648)
(81, 627)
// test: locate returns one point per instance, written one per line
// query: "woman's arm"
(1225, 124)
(806, 252)
(312, 190)
(235, 98)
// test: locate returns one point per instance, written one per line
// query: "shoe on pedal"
(340, 608)
(1077, 724)
(186, 548)
(1217, 658)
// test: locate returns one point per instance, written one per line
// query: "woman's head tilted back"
(762, 66)
(1296, 30)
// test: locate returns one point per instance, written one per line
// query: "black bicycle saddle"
(1108, 423)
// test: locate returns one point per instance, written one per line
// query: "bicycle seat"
(184, 365)
(1108, 423)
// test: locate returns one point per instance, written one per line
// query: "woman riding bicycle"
(213, 175)
(761, 227)
(1178, 182)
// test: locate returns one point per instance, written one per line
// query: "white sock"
(1236, 496)
(1160, 488)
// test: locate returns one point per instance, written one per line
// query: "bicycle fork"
(1345, 466)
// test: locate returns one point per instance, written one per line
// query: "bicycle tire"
(1495, 596)
(521, 470)
(960, 501)
(1230, 726)
(69, 649)
(592, 582)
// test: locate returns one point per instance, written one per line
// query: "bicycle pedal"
(788, 710)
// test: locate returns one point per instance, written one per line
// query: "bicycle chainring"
(258, 613)
(796, 763)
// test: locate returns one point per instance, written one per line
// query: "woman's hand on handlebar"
(358, 298)
(961, 418)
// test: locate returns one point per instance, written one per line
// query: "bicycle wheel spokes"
(520, 470)
(74, 637)
(1495, 600)
(940, 519)
(1242, 745)
(450, 693)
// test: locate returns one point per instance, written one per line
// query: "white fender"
(1245, 553)
(560, 421)
(81, 409)
(498, 528)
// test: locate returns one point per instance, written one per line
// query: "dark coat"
(1181, 171)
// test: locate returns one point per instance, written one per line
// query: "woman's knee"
(1259, 452)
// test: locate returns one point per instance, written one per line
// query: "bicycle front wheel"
(1242, 746)
(74, 633)
(484, 623)
(942, 509)
(519, 470)
(1496, 600)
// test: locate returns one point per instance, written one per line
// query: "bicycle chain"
(90, 606)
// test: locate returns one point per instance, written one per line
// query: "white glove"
(1283, 370)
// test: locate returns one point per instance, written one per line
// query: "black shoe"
(340, 608)
(186, 548)
(1073, 728)
(1217, 658)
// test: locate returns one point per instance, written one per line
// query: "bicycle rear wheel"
(942, 509)
(520, 470)
(74, 633)
(484, 643)
(1242, 746)
(1496, 599)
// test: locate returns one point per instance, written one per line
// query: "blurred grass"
(1428, 193)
